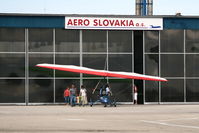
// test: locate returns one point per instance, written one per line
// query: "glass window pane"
(151, 41)
(61, 85)
(152, 64)
(95, 61)
(172, 91)
(35, 59)
(67, 59)
(172, 65)
(67, 40)
(122, 89)
(192, 41)
(192, 63)
(90, 85)
(120, 62)
(172, 41)
(94, 41)
(120, 41)
(192, 90)
(12, 91)
(12, 40)
(151, 91)
(40, 90)
(12, 65)
(40, 40)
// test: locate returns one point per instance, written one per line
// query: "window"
(12, 65)
(94, 41)
(67, 40)
(120, 62)
(12, 91)
(172, 41)
(192, 41)
(172, 65)
(152, 64)
(192, 90)
(192, 63)
(12, 40)
(35, 59)
(41, 90)
(172, 91)
(40, 40)
(151, 41)
(120, 41)
(151, 91)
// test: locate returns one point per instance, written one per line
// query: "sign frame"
(106, 23)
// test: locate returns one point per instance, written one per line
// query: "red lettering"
(105, 22)
(70, 22)
(117, 23)
(137, 24)
(95, 22)
(142, 24)
(111, 22)
(75, 22)
(86, 22)
(100, 24)
(80, 22)
(122, 23)
(131, 23)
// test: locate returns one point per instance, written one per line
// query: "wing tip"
(41, 65)
(164, 80)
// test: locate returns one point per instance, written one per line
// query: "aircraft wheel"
(105, 105)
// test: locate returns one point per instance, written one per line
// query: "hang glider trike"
(103, 98)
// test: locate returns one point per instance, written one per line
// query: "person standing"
(73, 95)
(135, 91)
(67, 95)
(108, 91)
(83, 95)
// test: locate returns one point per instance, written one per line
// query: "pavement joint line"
(171, 125)
(75, 119)
(194, 118)
(71, 119)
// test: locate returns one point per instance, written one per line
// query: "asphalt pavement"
(98, 119)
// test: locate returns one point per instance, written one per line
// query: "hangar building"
(166, 46)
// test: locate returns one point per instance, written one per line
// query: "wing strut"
(105, 66)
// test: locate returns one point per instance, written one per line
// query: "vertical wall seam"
(54, 90)
(144, 66)
(159, 87)
(81, 56)
(133, 59)
(185, 93)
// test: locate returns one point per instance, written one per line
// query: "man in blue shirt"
(72, 95)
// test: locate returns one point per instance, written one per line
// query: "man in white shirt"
(83, 95)
(108, 91)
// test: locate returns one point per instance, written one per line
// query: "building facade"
(27, 40)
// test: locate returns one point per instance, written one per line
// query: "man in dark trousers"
(73, 91)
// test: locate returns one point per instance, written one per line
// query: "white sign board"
(113, 23)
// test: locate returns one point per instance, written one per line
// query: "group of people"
(72, 98)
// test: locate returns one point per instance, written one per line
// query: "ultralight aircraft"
(104, 73)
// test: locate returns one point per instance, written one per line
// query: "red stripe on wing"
(101, 73)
